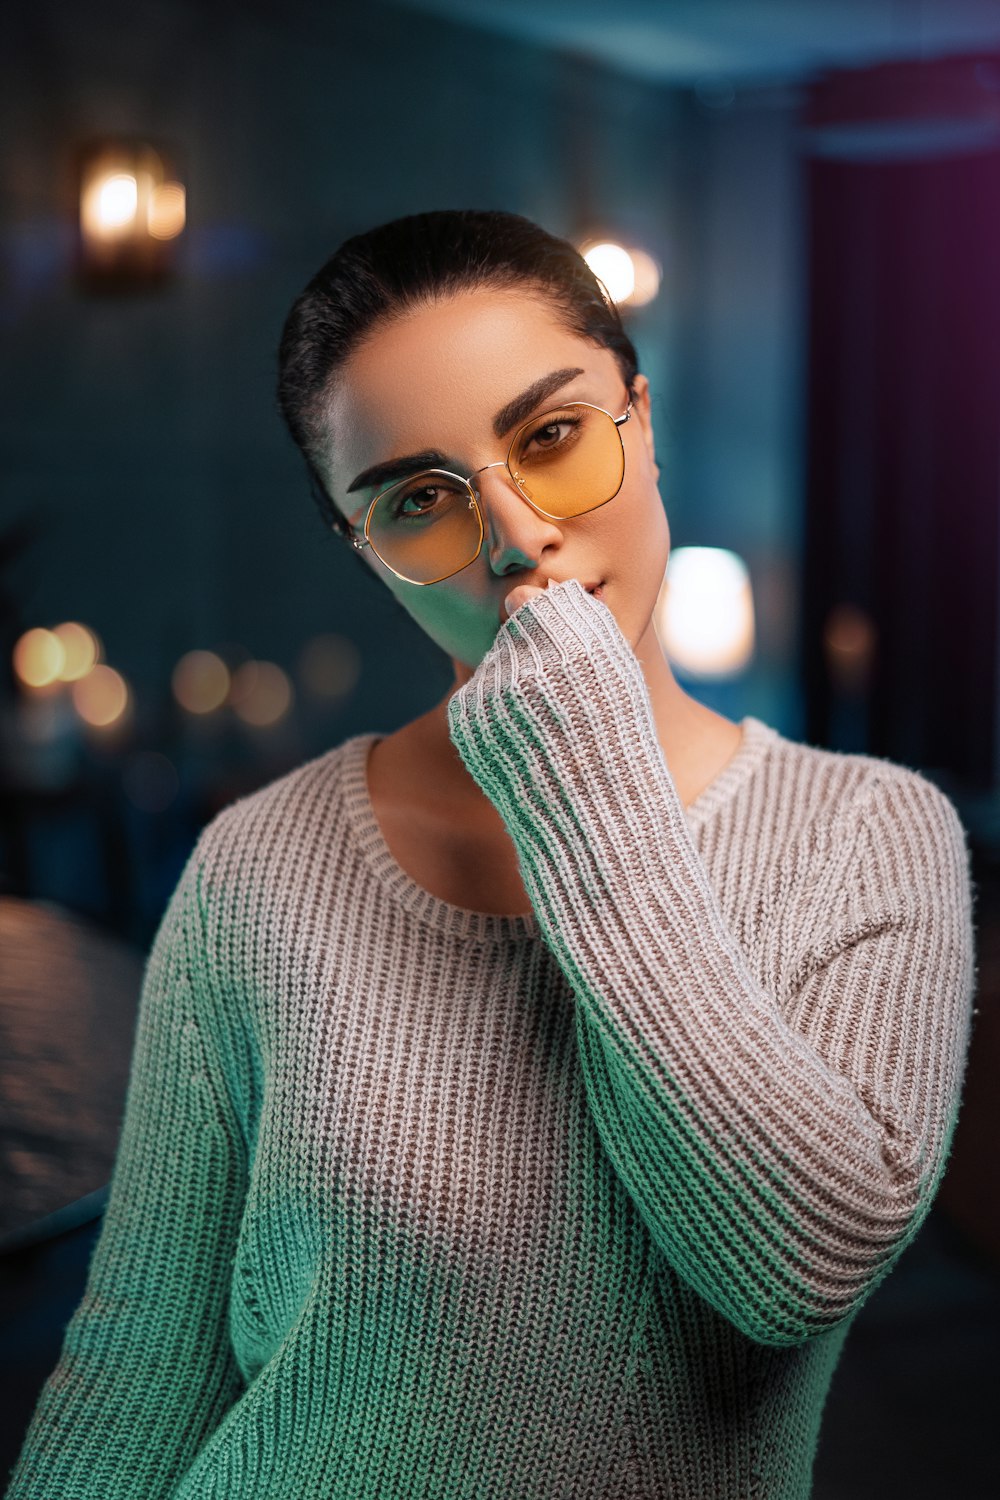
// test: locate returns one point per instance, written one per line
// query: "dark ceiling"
(689, 42)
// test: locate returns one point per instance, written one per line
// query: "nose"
(516, 535)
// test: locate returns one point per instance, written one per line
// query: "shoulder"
(284, 825)
(849, 804)
(274, 873)
(842, 780)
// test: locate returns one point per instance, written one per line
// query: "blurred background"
(797, 205)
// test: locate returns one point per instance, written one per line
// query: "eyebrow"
(522, 406)
(508, 416)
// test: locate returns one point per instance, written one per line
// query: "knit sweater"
(418, 1202)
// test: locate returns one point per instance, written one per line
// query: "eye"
(550, 434)
(551, 438)
(416, 499)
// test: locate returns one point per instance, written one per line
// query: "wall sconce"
(132, 210)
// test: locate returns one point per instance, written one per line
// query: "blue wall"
(144, 430)
(736, 458)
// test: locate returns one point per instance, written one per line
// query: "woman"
(525, 1102)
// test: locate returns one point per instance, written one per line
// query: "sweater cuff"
(557, 729)
(565, 627)
(561, 625)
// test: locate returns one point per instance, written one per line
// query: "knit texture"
(418, 1203)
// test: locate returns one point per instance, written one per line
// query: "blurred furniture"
(85, 816)
(68, 1004)
(68, 1001)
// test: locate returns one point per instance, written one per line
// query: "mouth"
(595, 590)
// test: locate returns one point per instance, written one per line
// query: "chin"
(470, 655)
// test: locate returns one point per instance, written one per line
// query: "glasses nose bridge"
(501, 463)
(477, 491)
(491, 536)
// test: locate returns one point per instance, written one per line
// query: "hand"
(559, 667)
(560, 621)
(520, 595)
(526, 591)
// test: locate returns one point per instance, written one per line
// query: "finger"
(519, 596)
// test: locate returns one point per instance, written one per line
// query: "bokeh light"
(200, 682)
(849, 639)
(81, 650)
(648, 275)
(110, 203)
(101, 697)
(631, 276)
(612, 264)
(704, 615)
(39, 658)
(329, 666)
(167, 211)
(132, 209)
(243, 679)
(262, 693)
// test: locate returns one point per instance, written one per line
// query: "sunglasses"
(565, 463)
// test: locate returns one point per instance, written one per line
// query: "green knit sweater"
(414, 1202)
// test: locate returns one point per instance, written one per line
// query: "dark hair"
(380, 274)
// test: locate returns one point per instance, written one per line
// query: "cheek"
(459, 624)
(638, 557)
(641, 529)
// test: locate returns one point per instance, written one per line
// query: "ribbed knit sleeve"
(146, 1371)
(780, 1177)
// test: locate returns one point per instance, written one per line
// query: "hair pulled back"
(378, 275)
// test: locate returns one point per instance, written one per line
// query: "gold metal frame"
(503, 463)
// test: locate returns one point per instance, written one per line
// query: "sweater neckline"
(758, 739)
(481, 926)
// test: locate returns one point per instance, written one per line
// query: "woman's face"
(436, 379)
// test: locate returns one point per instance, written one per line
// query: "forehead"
(437, 375)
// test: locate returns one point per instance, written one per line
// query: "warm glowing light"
(329, 666)
(101, 697)
(109, 204)
(632, 277)
(150, 781)
(39, 658)
(849, 640)
(166, 215)
(81, 650)
(613, 265)
(647, 278)
(242, 682)
(131, 209)
(117, 199)
(200, 682)
(704, 615)
(262, 693)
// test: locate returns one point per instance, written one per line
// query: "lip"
(589, 587)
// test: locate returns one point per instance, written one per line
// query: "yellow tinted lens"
(569, 461)
(425, 527)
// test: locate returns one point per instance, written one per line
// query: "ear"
(642, 414)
